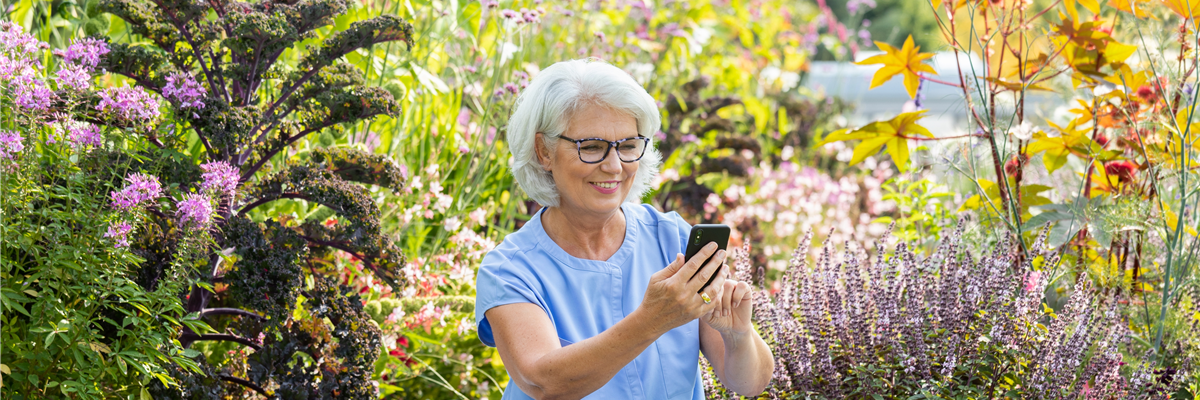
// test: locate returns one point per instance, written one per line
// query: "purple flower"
(529, 16)
(139, 188)
(194, 210)
(688, 138)
(14, 40)
(81, 134)
(600, 36)
(10, 144)
(509, 14)
(492, 4)
(32, 94)
(74, 77)
(510, 87)
(220, 177)
(84, 52)
(120, 232)
(130, 103)
(184, 89)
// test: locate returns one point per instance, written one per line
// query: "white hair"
(547, 105)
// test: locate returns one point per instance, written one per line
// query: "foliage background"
(743, 138)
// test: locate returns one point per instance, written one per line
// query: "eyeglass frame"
(611, 145)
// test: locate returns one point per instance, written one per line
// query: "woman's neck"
(591, 237)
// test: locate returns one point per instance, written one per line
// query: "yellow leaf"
(1136, 7)
(4, 369)
(904, 61)
(1173, 221)
(99, 347)
(1091, 5)
(868, 147)
(1185, 8)
(894, 133)
(1117, 52)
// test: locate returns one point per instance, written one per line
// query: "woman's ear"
(543, 153)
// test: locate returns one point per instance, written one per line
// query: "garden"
(290, 199)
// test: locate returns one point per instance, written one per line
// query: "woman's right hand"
(671, 297)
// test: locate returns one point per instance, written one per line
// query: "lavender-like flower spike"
(219, 177)
(10, 144)
(183, 89)
(194, 210)
(130, 103)
(120, 232)
(141, 188)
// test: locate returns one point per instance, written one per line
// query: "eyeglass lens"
(595, 150)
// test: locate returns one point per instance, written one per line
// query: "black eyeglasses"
(595, 150)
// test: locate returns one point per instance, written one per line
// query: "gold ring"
(706, 298)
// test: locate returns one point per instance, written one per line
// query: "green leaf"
(1041, 219)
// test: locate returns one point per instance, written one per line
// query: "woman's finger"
(741, 292)
(727, 302)
(709, 269)
(695, 264)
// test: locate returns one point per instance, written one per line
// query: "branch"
(187, 338)
(245, 383)
(230, 311)
(265, 200)
(342, 246)
(286, 142)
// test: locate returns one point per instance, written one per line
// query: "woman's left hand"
(732, 317)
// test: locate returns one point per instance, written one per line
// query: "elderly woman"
(592, 297)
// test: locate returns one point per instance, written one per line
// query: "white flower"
(1024, 131)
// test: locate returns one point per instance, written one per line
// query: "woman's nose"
(612, 163)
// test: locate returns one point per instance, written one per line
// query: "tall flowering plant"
(951, 325)
(80, 318)
(194, 184)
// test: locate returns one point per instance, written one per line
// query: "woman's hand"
(732, 318)
(672, 297)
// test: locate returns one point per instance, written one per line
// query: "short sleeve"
(673, 226)
(499, 283)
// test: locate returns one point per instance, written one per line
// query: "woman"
(592, 296)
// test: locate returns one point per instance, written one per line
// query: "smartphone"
(699, 237)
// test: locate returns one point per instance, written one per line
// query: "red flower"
(402, 341)
(1101, 140)
(1148, 93)
(1125, 171)
(1014, 164)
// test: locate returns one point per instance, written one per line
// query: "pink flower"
(219, 177)
(183, 89)
(139, 189)
(130, 103)
(10, 144)
(120, 232)
(85, 53)
(478, 216)
(73, 77)
(195, 210)
(81, 134)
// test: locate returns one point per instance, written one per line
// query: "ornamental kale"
(260, 285)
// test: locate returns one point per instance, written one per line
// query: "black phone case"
(699, 237)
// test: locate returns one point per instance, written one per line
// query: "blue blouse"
(585, 297)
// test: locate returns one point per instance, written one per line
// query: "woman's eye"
(590, 147)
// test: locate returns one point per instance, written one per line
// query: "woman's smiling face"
(596, 188)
